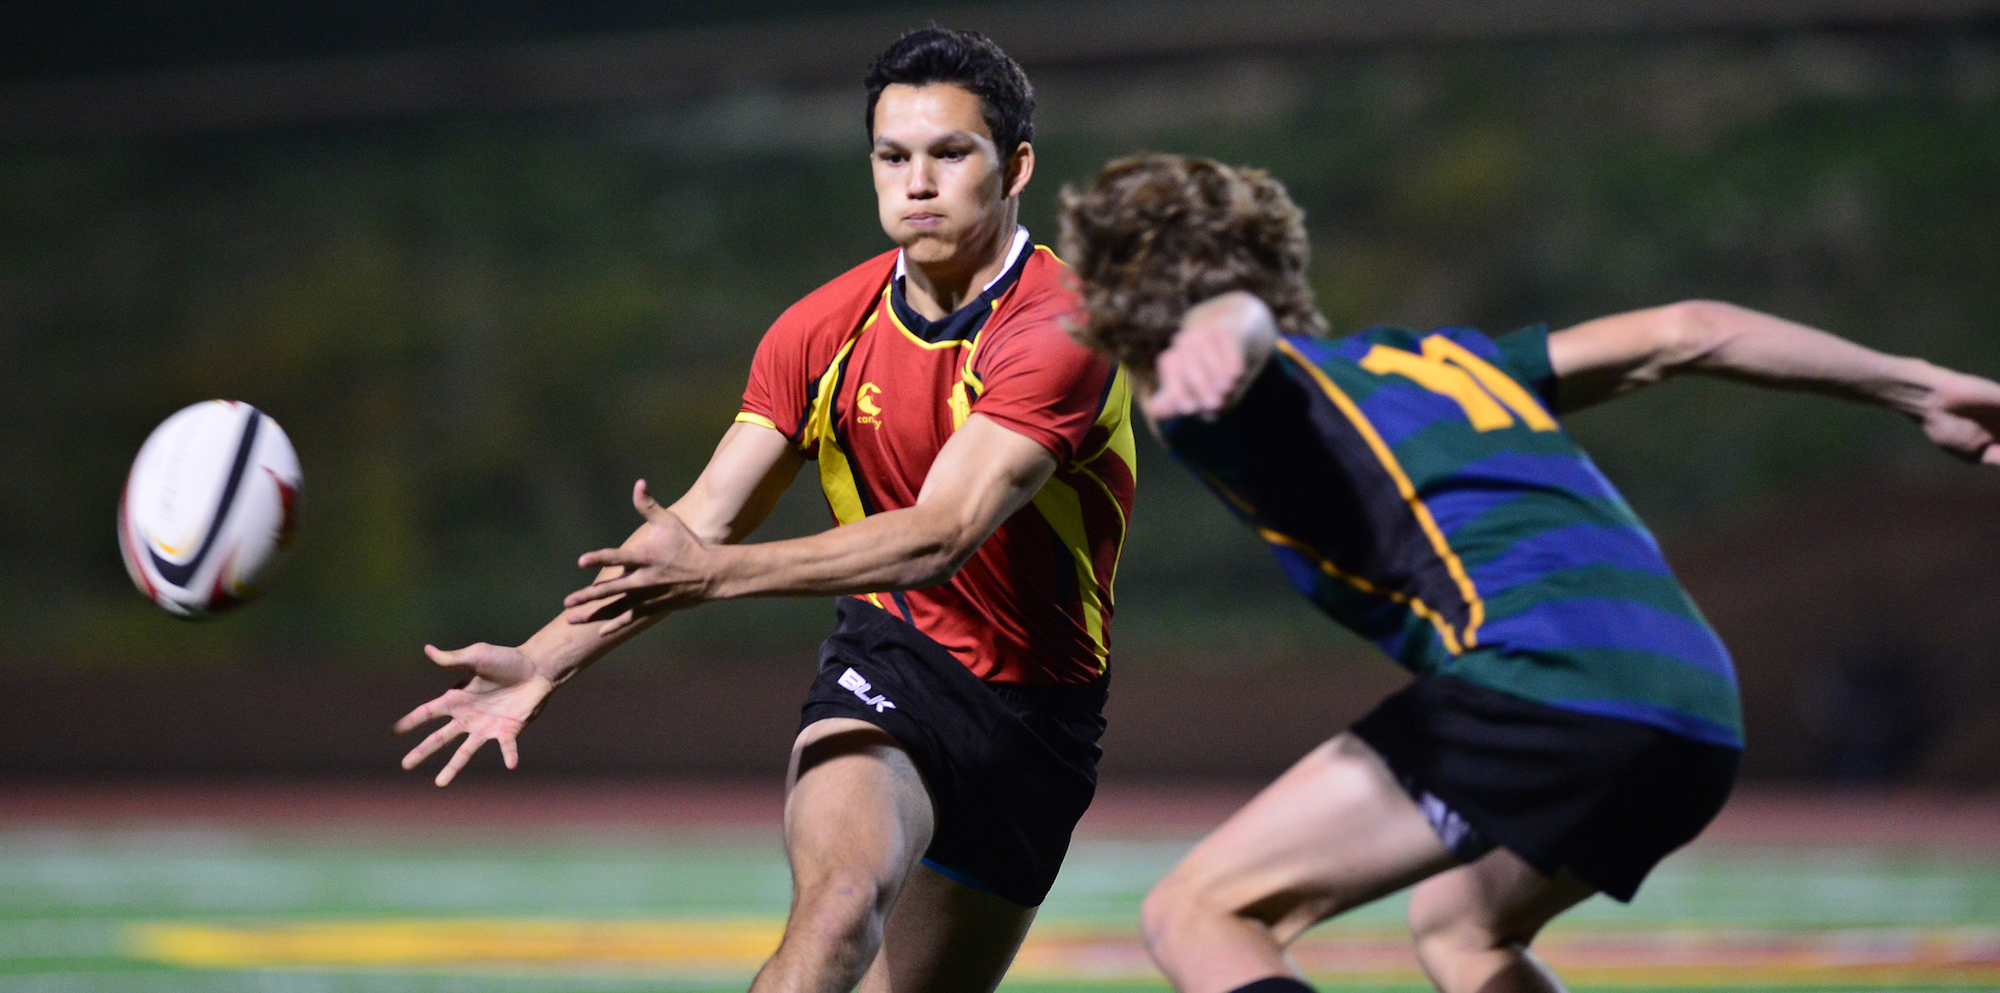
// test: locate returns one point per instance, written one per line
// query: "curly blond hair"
(1157, 234)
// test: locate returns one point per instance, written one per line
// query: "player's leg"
(1472, 925)
(943, 936)
(857, 821)
(1334, 832)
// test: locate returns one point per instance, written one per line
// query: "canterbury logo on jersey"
(854, 683)
(864, 398)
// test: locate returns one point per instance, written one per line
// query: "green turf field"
(190, 910)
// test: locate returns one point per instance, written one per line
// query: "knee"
(1158, 911)
(1170, 907)
(1448, 941)
(844, 901)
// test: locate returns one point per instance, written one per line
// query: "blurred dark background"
(488, 263)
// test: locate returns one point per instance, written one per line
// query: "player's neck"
(936, 289)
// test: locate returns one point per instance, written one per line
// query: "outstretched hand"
(662, 567)
(1963, 417)
(503, 695)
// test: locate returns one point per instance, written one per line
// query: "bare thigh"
(858, 818)
(1335, 831)
(946, 937)
(854, 802)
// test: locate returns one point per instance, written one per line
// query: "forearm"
(902, 549)
(1614, 355)
(561, 649)
(980, 478)
(1732, 342)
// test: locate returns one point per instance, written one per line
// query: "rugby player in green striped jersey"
(1573, 718)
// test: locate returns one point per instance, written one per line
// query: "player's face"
(941, 186)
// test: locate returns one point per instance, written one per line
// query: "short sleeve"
(776, 394)
(1524, 354)
(1041, 384)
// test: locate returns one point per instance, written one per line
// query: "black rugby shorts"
(1010, 769)
(1605, 798)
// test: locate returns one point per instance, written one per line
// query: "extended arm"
(1600, 359)
(981, 476)
(749, 471)
(743, 480)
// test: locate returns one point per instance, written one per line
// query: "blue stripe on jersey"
(1538, 556)
(1518, 470)
(1456, 507)
(1677, 721)
(1494, 482)
(1473, 340)
(1603, 622)
(1350, 349)
(1400, 409)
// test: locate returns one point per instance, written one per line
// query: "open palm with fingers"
(503, 695)
(661, 568)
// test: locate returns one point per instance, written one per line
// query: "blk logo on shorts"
(853, 682)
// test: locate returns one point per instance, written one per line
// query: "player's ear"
(1020, 167)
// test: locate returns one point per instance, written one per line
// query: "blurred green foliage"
(478, 332)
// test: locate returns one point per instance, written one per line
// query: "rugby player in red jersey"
(979, 465)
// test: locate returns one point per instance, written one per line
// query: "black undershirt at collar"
(961, 324)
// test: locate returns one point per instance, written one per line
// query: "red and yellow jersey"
(860, 382)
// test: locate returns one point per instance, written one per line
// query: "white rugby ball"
(209, 508)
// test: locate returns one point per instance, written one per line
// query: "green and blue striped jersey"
(1414, 486)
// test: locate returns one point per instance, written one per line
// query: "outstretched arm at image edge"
(1610, 356)
(982, 476)
(507, 686)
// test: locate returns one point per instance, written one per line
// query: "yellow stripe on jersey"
(1061, 506)
(1117, 417)
(1475, 607)
(1417, 606)
(758, 419)
(836, 476)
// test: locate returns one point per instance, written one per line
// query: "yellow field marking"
(1059, 950)
(706, 944)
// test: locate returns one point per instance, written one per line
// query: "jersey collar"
(963, 323)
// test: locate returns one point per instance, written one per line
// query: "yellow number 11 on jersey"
(1486, 394)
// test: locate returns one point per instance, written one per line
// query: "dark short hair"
(966, 59)
(1157, 234)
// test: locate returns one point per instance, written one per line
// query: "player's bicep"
(982, 476)
(752, 467)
